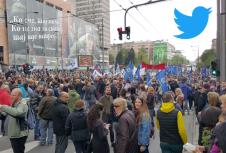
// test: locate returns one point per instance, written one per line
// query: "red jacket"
(5, 98)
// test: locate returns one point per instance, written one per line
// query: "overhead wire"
(145, 29)
(147, 20)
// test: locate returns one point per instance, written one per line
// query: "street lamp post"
(198, 54)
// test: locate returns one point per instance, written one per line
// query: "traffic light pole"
(138, 5)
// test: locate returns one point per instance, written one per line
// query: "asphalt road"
(33, 146)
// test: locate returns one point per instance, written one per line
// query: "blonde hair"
(178, 90)
(213, 98)
(122, 102)
(223, 98)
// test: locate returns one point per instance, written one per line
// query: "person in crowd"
(17, 133)
(186, 90)
(60, 113)
(143, 121)
(171, 125)
(223, 102)
(173, 85)
(208, 118)
(44, 113)
(126, 132)
(151, 101)
(73, 96)
(114, 90)
(99, 129)
(34, 102)
(5, 100)
(100, 86)
(179, 98)
(76, 126)
(122, 94)
(202, 103)
(89, 94)
(177, 102)
(107, 102)
(78, 87)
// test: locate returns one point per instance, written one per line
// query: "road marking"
(28, 147)
(1, 136)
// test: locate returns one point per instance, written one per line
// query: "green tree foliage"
(142, 56)
(207, 56)
(122, 56)
(178, 59)
(111, 59)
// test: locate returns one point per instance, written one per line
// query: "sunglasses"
(116, 106)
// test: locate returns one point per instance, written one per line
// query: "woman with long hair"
(143, 121)
(99, 130)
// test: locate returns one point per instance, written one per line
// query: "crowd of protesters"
(86, 109)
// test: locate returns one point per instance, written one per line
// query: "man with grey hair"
(126, 132)
(44, 113)
(17, 114)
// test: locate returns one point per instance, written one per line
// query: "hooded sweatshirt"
(166, 109)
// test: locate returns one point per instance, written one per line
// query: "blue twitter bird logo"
(192, 26)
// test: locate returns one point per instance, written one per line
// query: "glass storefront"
(40, 34)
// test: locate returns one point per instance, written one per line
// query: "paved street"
(33, 146)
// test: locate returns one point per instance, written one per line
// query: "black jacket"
(202, 101)
(35, 99)
(60, 113)
(151, 101)
(99, 140)
(76, 125)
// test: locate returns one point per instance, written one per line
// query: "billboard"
(160, 53)
(43, 35)
(85, 60)
(34, 31)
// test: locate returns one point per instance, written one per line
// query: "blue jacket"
(144, 130)
(186, 90)
(22, 89)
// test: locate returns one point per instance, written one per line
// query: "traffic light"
(214, 70)
(120, 32)
(128, 32)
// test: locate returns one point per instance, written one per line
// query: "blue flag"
(137, 73)
(162, 80)
(128, 76)
(148, 79)
(203, 72)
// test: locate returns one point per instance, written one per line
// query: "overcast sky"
(156, 22)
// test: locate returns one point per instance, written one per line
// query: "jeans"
(81, 146)
(18, 144)
(61, 144)
(44, 126)
(169, 148)
(36, 129)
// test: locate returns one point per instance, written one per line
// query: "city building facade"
(151, 47)
(98, 13)
(45, 33)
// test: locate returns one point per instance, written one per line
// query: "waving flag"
(129, 72)
(148, 80)
(137, 73)
(203, 72)
(161, 78)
